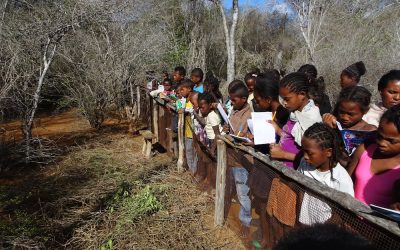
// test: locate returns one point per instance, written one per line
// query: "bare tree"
(311, 16)
(229, 33)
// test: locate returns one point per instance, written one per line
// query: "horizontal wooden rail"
(354, 211)
(343, 199)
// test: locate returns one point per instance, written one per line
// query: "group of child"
(353, 148)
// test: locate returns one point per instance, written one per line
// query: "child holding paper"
(293, 90)
(241, 112)
(266, 96)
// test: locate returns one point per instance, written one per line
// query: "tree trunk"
(230, 38)
(27, 129)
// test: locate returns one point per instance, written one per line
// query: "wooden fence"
(291, 199)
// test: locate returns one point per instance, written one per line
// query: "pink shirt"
(372, 188)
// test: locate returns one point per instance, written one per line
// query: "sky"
(279, 5)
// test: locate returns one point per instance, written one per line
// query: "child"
(178, 75)
(376, 166)
(185, 90)
(197, 77)
(250, 80)
(320, 145)
(317, 93)
(389, 89)
(266, 96)
(352, 105)
(293, 91)
(212, 120)
(167, 89)
(211, 85)
(351, 75)
(238, 94)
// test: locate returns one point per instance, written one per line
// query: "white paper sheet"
(264, 132)
(224, 115)
(250, 125)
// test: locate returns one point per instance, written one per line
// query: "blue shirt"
(199, 89)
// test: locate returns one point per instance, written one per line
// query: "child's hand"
(226, 128)
(329, 120)
(180, 111)
(276, 151)
(214, 105)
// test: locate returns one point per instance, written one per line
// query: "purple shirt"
(287, 142)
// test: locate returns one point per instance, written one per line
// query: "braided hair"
(326, 137)
(296, 82)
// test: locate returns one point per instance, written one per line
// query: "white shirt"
(212, 120)
(339, 179)
(374, 114)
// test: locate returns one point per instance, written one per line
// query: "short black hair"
(207, 97)
(267, 87)
(323, 236)
(198, 72)
(392, 115)
(187, 83)
(239, 88)
(393, 75)
(234, 83)
(167, 80)
(181, 70)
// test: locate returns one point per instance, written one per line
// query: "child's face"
(388, 138)
(263, 103)
(196, 79)
(314, 155)
(176, 76)
(391, 94)
(185, 91)
(167, 86)
(349, 113)
(292, 101)
(205, 107)
(237, 101)
(347, 81)
(250, 85)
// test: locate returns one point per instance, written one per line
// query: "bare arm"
(355, 158)
(201, 120)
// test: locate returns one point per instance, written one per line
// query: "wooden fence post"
(181, 145)
(155, 121)
(220, 184)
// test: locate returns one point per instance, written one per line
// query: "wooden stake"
(138, 102)
(220, 183)
(155, 122)
(181, 145)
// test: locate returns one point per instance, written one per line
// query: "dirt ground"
(102, 194)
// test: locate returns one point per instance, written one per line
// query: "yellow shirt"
(188, 121)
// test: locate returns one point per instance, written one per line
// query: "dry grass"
(105, 191)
